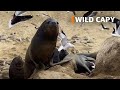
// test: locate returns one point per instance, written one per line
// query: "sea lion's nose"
(54, 23)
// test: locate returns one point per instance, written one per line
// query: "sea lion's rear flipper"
(81, 64)
(89, 59)
(92, 55)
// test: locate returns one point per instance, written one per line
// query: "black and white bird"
(65, 44)
(116, 21)
(89, 14)
(116, 30)
(18, 17)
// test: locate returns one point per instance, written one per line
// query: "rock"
(85, 38)
(2, 37)
(75, 37)
(89, 41)
(19, 39)
(13, 48)
(108, 57)
(2, 62)
(11, 38)
(8, 62)
(6, 67)
(73, 41)
(28, 39)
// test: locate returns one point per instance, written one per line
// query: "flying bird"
(65, 44)
(89, 14)
(18, 17)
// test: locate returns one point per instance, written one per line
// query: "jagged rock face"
(108, 57)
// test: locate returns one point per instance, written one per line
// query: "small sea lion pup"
(16, 68)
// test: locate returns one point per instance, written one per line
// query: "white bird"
(64, 42)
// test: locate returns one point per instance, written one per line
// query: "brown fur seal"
(16, 68)
(42, 47)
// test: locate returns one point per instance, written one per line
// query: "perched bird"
(18, 17)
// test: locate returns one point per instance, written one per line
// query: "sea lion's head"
(18, 62)
(49, 29)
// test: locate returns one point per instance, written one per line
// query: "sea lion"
(42, 47)
(16, 68)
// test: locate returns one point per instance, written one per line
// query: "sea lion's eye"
(57, 23)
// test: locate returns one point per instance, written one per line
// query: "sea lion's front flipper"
(66, 59)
